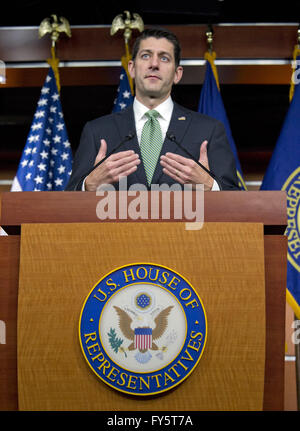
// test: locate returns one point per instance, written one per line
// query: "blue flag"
(211, 104)
(46, 162)
(124, 97)
(283, 173)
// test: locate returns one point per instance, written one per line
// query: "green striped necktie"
(151, 143)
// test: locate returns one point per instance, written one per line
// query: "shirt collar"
(164, 109)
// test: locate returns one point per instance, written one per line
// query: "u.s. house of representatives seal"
(143, 329)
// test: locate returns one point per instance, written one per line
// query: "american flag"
(46, 162)
(124, 97)
(143, 338)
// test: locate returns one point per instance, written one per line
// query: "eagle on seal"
(161, 323)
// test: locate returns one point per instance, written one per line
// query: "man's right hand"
(117, 165)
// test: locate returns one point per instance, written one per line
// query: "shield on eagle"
(143, 338)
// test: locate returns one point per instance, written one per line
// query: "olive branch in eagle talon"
(115, 342)
(161, 322)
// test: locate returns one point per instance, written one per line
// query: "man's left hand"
(186, 171)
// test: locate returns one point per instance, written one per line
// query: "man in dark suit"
(155, 69)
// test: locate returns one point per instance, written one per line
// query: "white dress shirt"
(165, 110)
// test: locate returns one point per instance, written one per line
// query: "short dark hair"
(158, 33)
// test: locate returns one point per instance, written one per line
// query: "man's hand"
(117, 165)
(186, 171)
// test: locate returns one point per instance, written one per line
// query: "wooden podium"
(58, 249)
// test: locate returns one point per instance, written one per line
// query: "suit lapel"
(178, 126)
(125, 123)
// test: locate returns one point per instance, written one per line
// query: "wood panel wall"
(94, 44)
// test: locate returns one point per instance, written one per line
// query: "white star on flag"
(44, 154)
(46, 161)
(58, 181)
(38, 179)
(42, 102)
(39, 114)
(36, 126)
(46, 142)
(126, 94)
(42, 167)
(61, 169)
(45, 90)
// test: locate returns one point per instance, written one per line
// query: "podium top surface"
(266, 207)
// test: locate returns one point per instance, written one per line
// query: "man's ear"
(178, 74)
(131, 69)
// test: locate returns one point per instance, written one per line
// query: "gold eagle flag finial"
(127, 24)
(54, 28)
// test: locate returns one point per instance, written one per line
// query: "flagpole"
(54, 63)
(125, 23)
(128, 24)
(125, 60)
(54, 28)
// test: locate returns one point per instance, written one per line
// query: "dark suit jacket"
(190, 129)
